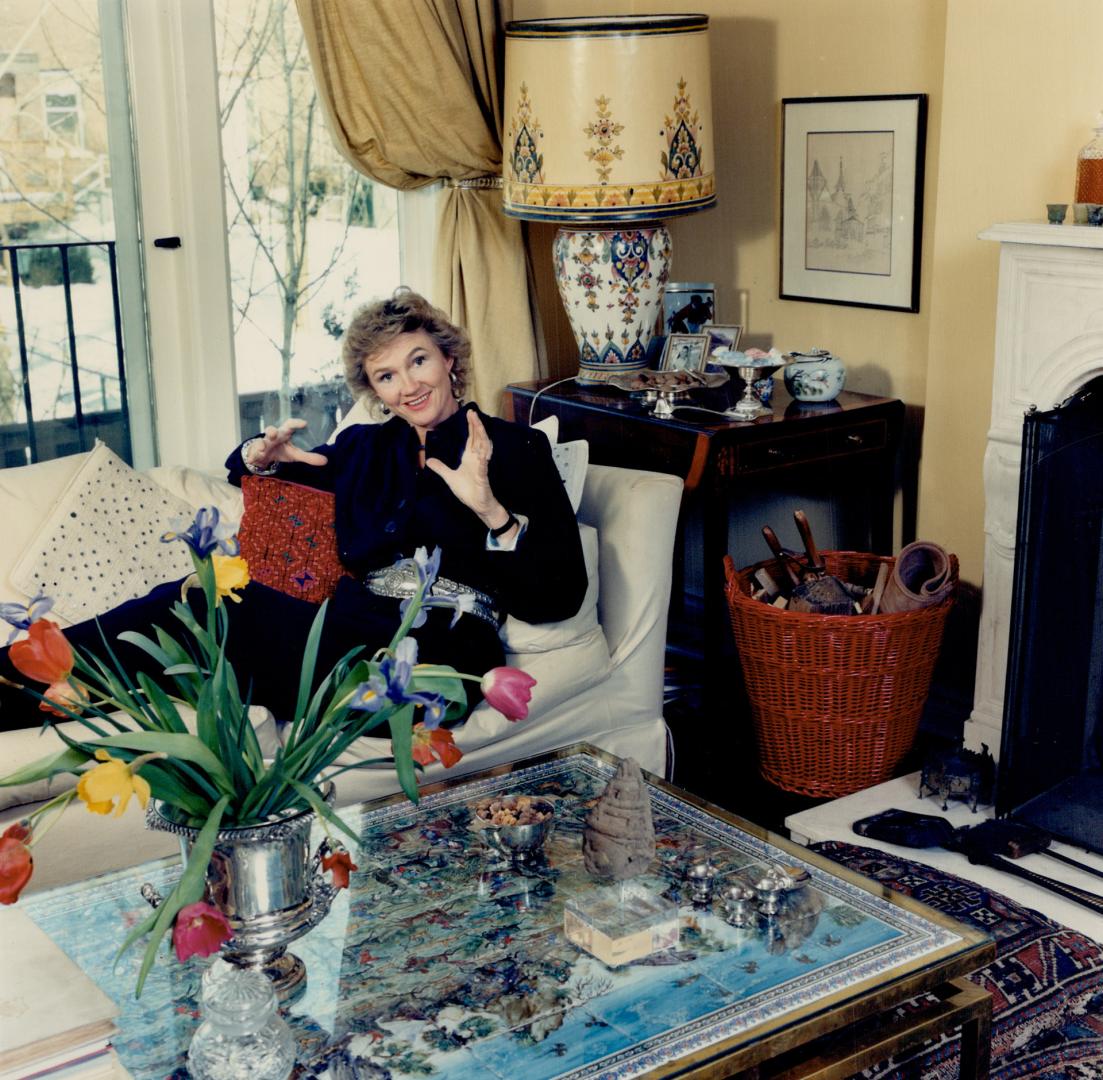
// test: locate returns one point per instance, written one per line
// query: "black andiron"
(959, 774)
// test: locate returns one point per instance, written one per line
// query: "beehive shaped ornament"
(619, 839)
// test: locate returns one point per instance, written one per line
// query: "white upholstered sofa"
(599, 675)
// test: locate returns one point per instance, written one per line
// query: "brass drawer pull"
(856, 440)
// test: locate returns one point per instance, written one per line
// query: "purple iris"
(427, 568)
(391, 687)
(20, 616)
(205, 534)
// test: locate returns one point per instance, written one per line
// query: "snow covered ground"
(368, 268)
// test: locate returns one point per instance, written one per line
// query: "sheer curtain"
(412, 95)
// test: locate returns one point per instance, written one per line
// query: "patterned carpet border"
(1046, 981)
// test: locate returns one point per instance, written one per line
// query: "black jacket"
(387, 506)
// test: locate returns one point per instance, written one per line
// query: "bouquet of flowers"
(215, 776)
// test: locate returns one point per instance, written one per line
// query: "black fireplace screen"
(1050, 771)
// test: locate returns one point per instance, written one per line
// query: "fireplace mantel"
(1049, 342)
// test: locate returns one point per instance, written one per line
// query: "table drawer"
(780, 452)
(873, 435)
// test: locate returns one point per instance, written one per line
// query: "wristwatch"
(502, 529)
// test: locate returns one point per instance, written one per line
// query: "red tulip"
(200, 930)
(438, 743)
(16, 862)
(509, 690)
(64, 693)
(340, 862)
(44, 654)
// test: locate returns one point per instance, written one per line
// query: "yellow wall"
(1022, 87)
(1013, 87)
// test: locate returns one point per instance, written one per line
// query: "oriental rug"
(1046, 981)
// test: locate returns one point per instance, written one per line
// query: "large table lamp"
(608, 132)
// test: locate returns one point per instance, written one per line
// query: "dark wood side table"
(849, 445)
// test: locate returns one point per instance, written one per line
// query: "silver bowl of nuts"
(514, 825)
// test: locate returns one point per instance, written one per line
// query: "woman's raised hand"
(276, 445)
(470, 483)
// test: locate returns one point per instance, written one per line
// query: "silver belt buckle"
(400, 581)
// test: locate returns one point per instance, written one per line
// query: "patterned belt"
(401, 582)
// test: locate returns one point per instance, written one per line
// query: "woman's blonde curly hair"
(377, 324)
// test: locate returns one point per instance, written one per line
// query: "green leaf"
(322, 808)
(67, 760)
(187, 682)
(164, 708)
(188, 890)
(184, 747)
(206, 721)
(402, 742)
(310, 658)
(167, 786)
(146, 645)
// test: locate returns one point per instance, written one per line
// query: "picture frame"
(722, 337)
(685, 352)
(688, 306)
(852, 199)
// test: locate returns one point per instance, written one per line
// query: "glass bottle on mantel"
(1089, 168)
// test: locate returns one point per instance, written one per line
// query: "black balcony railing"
(41, 433)
(40, 437)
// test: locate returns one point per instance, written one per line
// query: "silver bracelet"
(256, 470)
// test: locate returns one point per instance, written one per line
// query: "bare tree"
(291, 171)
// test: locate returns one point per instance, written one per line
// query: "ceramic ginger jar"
(815, 377)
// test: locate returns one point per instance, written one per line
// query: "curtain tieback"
(480, 183)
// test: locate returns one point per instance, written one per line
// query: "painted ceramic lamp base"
(612, 286)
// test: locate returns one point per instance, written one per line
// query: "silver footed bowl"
(520, 842)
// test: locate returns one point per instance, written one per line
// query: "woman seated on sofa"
(437, 473)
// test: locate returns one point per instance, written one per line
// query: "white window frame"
(174, 89)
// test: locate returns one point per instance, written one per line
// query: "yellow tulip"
(230, 573)
(99, 787)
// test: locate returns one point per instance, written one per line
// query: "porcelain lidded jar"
(815, 377)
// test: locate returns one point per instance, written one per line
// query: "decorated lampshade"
(608, 132)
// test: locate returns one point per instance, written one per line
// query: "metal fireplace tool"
(993, 843)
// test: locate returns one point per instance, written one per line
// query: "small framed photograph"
(685, 352)
(852, 199)
(688, 306)
(722, 337)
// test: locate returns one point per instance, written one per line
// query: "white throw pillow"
(101, 544)
(200, 489)
(571, 459)
(27, 493)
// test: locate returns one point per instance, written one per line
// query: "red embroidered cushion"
(288, 537)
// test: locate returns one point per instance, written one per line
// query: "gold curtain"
(411, 91)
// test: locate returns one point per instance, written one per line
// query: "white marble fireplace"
(1049, 343)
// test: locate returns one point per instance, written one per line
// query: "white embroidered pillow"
(100, 545)
(571, 459)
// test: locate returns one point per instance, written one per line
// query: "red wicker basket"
(836, 699)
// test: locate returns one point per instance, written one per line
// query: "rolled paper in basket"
(921, 577)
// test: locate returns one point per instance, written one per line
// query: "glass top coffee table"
(445, 960)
